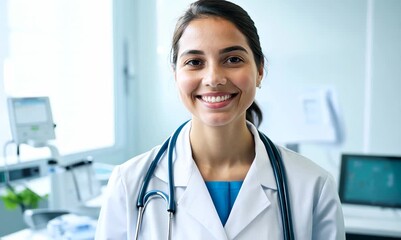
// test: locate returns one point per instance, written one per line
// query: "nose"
(214, 76)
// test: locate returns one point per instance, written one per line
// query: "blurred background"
(332, 83)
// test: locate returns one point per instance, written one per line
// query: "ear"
(260, 76)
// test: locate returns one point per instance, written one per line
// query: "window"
(62, 49)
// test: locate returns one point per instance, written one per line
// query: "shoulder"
(302, 166)
(305, 176)
(316, 189)
(127, 177)
(134, 168)
(121, 193)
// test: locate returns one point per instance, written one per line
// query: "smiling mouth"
(216, 99)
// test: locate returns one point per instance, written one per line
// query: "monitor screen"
(370, 180)
(31, 119)
(30, 110)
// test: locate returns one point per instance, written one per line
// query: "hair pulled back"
(236, 15)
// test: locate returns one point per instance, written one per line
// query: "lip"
(216, 100)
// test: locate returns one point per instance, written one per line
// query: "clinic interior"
(331, 88)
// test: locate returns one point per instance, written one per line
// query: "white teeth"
(213, 99)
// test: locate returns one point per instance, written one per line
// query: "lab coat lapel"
(182, 159)
(252, 199)
(192, 195)
(196, 201)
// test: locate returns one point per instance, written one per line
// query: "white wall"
(3, 53)
(155, 107)
(386, 78)
(311, 44)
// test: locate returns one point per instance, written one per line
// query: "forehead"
(211, 32)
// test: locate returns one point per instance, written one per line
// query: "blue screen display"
(371, 180)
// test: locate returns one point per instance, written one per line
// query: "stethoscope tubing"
(144, 197)
(281, 182)
(171, 145)
(148, 196)
(278, 169)
(149, 173)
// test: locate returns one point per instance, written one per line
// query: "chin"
(216, 121)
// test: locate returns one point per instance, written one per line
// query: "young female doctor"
(224, 184)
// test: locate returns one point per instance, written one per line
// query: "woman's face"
(216, 73)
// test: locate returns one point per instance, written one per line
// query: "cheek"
(186, 84)
(246, 82)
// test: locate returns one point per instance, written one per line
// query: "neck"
(222, 153)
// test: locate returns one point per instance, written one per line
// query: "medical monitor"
(31, 119)
(370, 180)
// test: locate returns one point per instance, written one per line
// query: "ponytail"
(254, 114)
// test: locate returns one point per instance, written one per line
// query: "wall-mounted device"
(296, 116)
(31, 119)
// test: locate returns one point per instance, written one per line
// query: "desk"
(71, 226)
(373, 227)
(27, 234)
(371, 221)
(90, 208)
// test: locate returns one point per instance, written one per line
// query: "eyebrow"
(232, 49)
(189, 52)
(222, 51)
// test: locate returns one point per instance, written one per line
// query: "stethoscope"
(145, 196)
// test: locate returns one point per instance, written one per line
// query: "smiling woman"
(225, 179)
(215, 61)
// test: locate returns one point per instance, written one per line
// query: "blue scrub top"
(223, 195)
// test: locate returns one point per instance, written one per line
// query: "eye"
(193, 62)
(234, 60)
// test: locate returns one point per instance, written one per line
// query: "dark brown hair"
(236, 15)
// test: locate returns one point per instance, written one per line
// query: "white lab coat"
(315, 205)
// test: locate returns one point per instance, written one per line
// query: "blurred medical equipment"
(370, 193)
(22, 171)
(31, 123)
(298, 115)
(38, 218)
(168, 146)
(71, 227)
(31, 120)
(370, 180)
(67, 186)
(72, 184)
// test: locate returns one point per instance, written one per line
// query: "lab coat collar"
(262, 163)
(183, 166)
(252, 193)
(196, 202)
(182, 159)
(250, 203)
(196, 198)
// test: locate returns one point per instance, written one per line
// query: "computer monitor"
(370, 180)
(31, 119)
